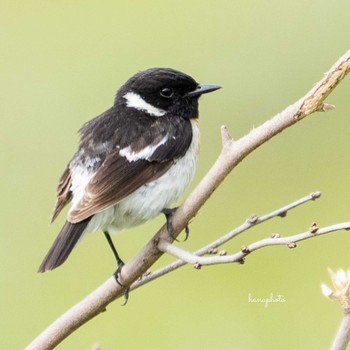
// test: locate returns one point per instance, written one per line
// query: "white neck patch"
(136, 101)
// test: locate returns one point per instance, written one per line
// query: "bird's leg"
(120, 264)
(169, 224)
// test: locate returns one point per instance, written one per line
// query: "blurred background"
(61, 64)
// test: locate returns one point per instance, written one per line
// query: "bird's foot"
(169, 224)
(117, 275)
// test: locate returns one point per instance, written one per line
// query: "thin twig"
(252, 221)
(289, 241)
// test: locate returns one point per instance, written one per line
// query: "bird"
(133, 161)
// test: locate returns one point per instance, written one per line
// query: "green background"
(61, 63)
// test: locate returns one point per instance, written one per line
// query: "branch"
(211, 248)
(343, 334)
(340, 293)
(289, 241)
(231, 155)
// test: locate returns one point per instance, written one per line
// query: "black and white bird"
(133, 161)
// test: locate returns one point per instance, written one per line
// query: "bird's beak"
(202, 89)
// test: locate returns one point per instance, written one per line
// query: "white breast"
(149, 200)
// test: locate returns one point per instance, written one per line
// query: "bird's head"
(161, 91)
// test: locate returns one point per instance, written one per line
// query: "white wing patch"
(80, 178)
(145, 153)
(136, 101)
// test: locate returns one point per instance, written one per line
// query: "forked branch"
(274, 240)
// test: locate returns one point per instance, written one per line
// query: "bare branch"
(289, 241)
(252, 221)
(343, 335)
(231, 155)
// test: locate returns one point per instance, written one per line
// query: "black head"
(160, 91)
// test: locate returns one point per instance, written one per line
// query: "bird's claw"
(116, 275)
(169, 224)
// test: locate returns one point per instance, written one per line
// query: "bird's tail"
(63, 245)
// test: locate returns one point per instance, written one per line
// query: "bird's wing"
(63, 193)
(125, 170)
(113, 181)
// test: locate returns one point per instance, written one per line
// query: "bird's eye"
(167, 92)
